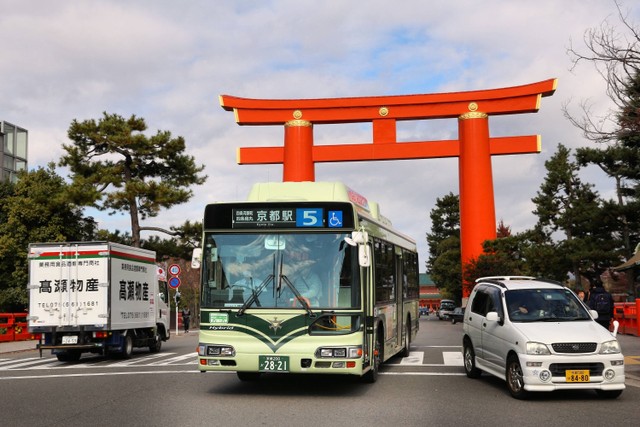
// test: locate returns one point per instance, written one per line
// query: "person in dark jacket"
(186, 317)
(601, 301)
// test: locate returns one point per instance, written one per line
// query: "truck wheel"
(127, 347)
(69, 356)
(156, 345)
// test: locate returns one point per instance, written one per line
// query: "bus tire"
(406, 350)
(378, 356)
(248, 376)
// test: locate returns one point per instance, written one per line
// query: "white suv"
(537, 335)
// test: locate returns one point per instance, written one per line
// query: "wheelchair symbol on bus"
(335, 219)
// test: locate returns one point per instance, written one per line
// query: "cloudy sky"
(168, 61)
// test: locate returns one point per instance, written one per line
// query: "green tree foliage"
(186, 237)
(615, 52)
(444, 264)
(35, 209)
(116, 168)
(572, 212)
(530, 253)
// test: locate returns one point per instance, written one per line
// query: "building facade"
(13, 150)
(429, 295)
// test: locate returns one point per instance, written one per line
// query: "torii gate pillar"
(474, 146)
(298, 163)
(477, 209)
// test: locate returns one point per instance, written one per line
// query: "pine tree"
(572, 212)
(115, 167)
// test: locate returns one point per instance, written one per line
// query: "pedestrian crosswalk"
(51, 362)
(440, 358)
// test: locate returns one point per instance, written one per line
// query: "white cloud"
(169, 61)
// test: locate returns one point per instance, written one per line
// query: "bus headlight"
(339, 352)
(216, 350)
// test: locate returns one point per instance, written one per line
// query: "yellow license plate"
(577, 375)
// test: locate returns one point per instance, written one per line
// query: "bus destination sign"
(285, 217)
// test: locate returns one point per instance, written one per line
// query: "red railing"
(627, 314)
(14, 327)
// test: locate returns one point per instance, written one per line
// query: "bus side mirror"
(196, 258)
(360, 239)
(364, 255)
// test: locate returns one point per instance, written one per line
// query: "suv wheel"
(469, 357)
(515, 378)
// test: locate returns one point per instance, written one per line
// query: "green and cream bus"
(304, 277)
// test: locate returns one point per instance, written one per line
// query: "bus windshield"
(279, 270)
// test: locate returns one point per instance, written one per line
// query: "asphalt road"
(165, 389)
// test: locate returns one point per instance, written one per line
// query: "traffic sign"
(174, 282)
(162, 275)
(174, 270)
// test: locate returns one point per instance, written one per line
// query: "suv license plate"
(577, 375)
(70, 339)
(273, 363)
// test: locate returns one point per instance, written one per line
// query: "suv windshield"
(533, 305)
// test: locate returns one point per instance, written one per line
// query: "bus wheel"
(407, 340)
(248, 376)
(372, 375)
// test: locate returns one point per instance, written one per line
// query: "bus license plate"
(577, 375)
(70, 339)
(273, 363)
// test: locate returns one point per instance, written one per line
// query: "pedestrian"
(601, 301)
(186, 317)
(588, 293)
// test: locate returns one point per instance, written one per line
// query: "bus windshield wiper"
(254, 295)
(297, 295)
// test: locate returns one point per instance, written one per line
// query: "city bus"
(304, 277)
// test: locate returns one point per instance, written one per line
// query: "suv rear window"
(447, 305)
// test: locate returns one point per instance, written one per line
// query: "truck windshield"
(268, 270)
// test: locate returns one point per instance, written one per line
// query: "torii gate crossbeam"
(474, 147)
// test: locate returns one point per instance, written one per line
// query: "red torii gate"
(474, 147)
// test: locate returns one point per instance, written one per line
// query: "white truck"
(96, 297)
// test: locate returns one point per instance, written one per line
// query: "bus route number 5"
(309, 217)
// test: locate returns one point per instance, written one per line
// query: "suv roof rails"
(552, 282)
(499, 280)
(505, 278)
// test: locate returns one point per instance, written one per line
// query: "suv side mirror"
(594, 314)
(493, 316)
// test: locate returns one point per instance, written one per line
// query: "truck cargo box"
(100, 284)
